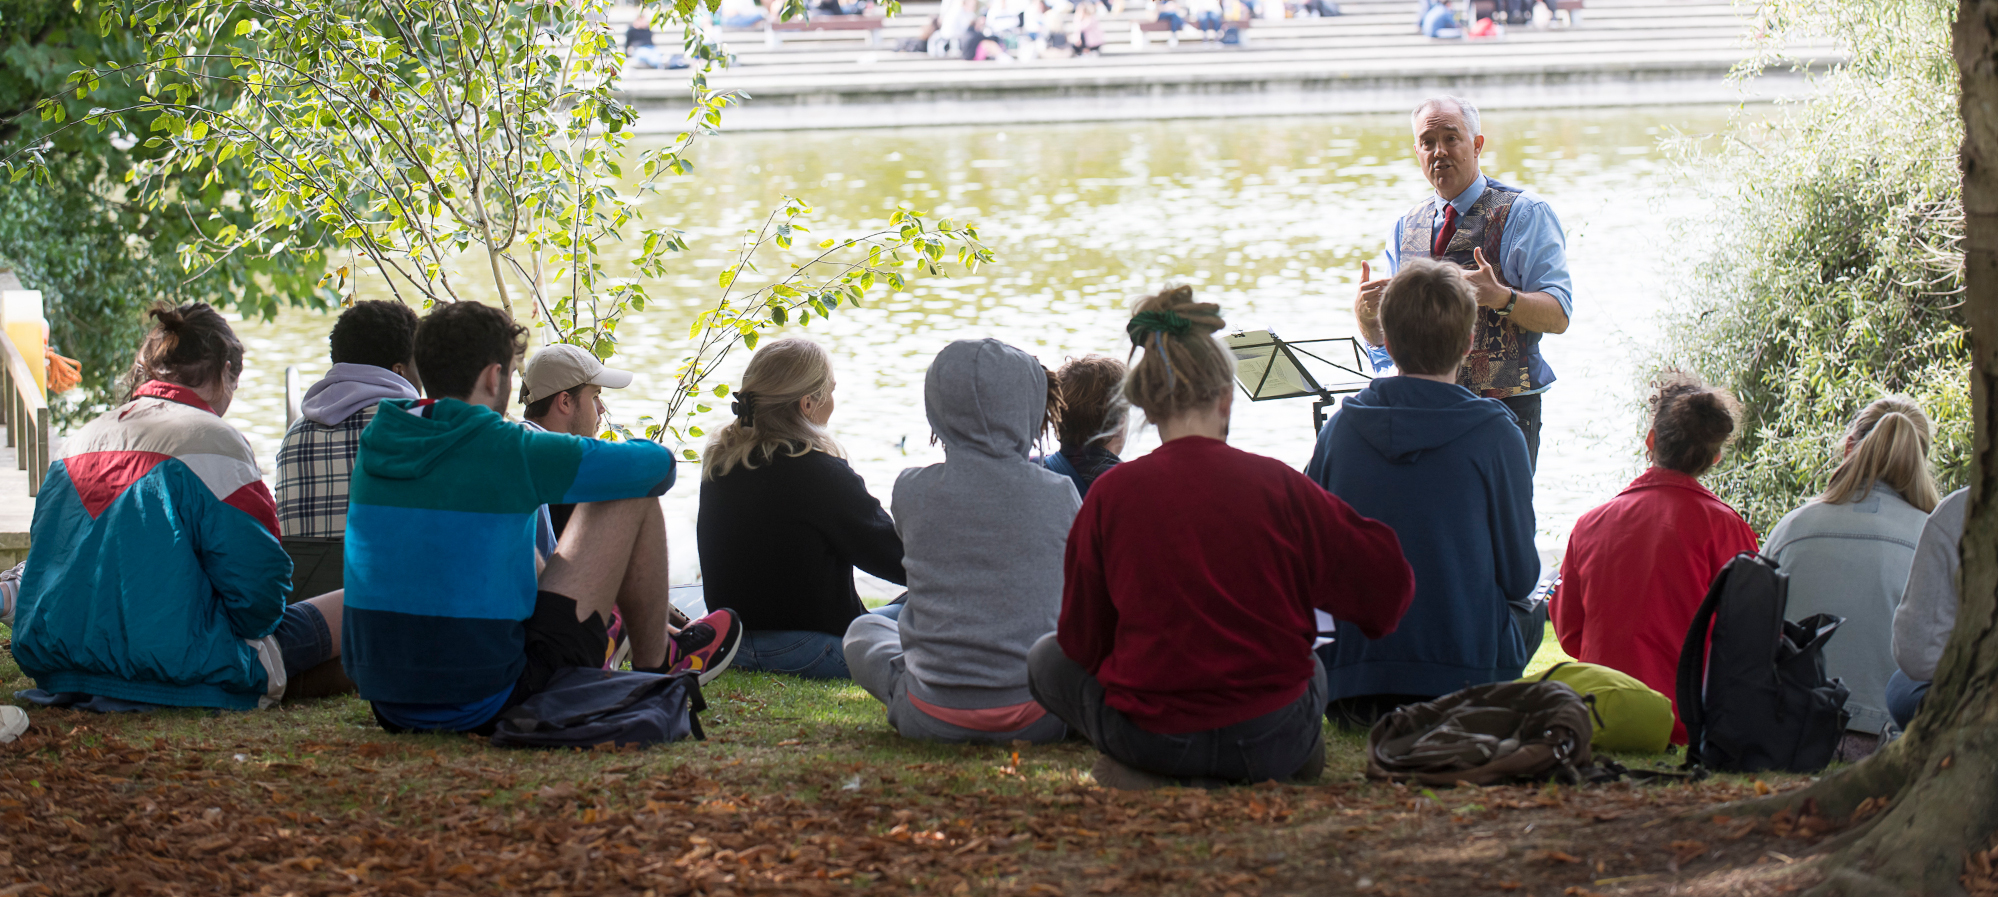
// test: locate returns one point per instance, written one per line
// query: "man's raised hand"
(1484, 280)
(1367, 304)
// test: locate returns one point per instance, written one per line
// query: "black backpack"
(1756, 697)
(589, 706)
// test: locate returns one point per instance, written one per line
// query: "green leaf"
(778, 315)
(721, 390)
(690, 454)
(749, 340)
(695, 431)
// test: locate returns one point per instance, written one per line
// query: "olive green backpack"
(1629, 716)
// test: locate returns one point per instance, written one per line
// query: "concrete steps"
(1624, 52)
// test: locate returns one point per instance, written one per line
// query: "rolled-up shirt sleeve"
(1375, 354)
(1536, 252)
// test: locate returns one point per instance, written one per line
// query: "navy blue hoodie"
(1448, 471)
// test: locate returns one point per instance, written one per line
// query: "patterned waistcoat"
(1497, 367)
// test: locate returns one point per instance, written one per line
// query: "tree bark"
(1942, 777)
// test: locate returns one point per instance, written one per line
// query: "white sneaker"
(13, 721)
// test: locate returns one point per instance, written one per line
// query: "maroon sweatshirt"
(1191, 575)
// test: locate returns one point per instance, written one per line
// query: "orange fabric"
(64, 373)
(991, 719)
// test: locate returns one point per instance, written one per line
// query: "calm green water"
(1271, 218)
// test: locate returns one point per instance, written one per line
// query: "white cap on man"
(563, 367)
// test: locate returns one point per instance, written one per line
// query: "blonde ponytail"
(1888, 443)
(767, 417)
(1184, 367)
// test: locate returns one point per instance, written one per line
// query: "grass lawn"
(800, 788)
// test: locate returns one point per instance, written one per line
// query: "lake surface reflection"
(1271, 218)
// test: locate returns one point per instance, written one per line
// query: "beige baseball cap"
(561, 367)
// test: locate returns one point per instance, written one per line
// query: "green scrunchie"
(1168, 322)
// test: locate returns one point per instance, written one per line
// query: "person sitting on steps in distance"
(374, 358)
(157, 576)
(1638, 567)
(1848, 553)
(784, 521)
(448, 623)
(1184, 645)
(1093, 419)
(982, 537)
(1449, 471)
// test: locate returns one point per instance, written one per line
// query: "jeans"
(1904, 697)
(1288, 743)
(1209, 21)
(303, 638)
(649, 56)
(1174, 19)
(874, 654)
(805, 654)
(1527, 409)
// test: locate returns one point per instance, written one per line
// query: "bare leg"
(613, 554)
(330, 606)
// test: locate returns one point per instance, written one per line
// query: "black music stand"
(1270, 367)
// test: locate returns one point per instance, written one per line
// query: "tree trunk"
(1942, 777)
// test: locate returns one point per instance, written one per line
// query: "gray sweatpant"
(1288, 743)
(874, 658)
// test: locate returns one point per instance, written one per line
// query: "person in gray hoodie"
(983, 536)
(374, 358)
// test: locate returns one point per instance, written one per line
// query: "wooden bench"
(1140, 29)
(773, 31)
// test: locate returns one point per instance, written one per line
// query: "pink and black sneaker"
(707, 646)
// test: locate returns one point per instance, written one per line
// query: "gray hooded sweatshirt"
(983, 534)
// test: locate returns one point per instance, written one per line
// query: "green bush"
(1828, 272)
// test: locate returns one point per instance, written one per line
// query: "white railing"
(25, 412)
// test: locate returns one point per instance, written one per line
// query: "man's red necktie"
(1443, 234)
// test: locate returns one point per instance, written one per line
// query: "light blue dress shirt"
(1533, 256)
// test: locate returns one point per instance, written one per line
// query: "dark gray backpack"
(1756, 696)
(583, 707)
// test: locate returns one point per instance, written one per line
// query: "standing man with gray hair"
(1513, 252)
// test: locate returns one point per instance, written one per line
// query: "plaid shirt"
(313, 467)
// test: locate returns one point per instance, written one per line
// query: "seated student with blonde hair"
(1449, 472)
(1184, 647)
(1638, 566)
(784, 520)
(982, 539)
(1848, 553)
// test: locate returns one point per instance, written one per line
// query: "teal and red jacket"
(441, 516)
(155, 559)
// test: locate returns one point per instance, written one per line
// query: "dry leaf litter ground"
(801, 788)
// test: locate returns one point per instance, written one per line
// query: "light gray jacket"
(1852, 560)
(983, 534)
(1927, 614)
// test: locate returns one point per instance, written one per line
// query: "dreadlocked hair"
(1184, 367)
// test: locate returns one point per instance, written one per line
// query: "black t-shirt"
(779, 543)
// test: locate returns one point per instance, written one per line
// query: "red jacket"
(1636, 571)
(1191, 575)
